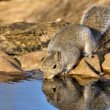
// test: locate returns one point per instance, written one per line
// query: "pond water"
(65, 94)
(24, 95)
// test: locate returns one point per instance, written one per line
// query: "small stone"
(106, 65)
(9, 58)
(32, 60)
(8, 65)
(84, 71)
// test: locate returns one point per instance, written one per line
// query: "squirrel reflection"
(67, 94)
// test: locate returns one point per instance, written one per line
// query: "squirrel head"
(51, 65)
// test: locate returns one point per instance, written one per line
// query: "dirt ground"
(44, 10)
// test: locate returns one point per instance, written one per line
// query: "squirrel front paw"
(64, 72)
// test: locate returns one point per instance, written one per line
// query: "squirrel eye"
(54, 66)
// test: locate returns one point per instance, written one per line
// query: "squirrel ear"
(57, 56)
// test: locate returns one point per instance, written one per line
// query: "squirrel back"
(97, 17)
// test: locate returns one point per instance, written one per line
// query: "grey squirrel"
(67, 45)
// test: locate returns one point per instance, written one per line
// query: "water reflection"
(27, 75)
(67, 94)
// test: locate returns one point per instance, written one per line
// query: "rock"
(8, 65)
(32, 60)
(21, 38)
(106, 63)
(106, 66)
(9, 58)
(12, 70)
(85, 70)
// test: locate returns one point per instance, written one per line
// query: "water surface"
(25, 95)
(65, 94)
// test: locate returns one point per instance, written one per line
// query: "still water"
(65, 94)
(25, 95)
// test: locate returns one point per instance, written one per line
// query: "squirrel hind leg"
(89, 42)
(89, 50)
(67, 69)
(74, 60)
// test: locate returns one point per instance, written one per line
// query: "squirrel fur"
(67, 45)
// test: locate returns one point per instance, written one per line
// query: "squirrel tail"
(97, 18)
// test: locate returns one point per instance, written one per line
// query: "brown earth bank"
(87, 70)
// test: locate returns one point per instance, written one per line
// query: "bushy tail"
(97, 17)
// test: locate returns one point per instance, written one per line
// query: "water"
(25, 95)
(65, 94)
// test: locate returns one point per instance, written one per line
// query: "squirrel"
(66, 46)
